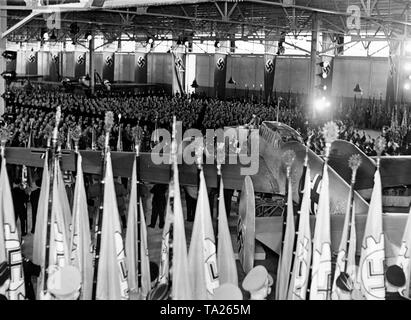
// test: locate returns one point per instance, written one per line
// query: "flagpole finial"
(354, 162)
(56, 125)
(137, 134)
(307, 146)
(76, 135)
(48, 132)
(108, 125)
(379, 147)
(288, 159)
(199, 150)
(174, 142)
(220, 156)
(330, 134)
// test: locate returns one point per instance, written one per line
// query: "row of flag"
(197, 273)
(123, 264)
(311, 273)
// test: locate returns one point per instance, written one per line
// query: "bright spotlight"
(407, 86)
(408, 47)
(88, 36)
(407, 66)
(322, 103)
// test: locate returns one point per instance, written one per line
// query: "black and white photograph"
(216, 152)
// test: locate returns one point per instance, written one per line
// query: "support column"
(3, 28)
(91, 65)
(313, 63)
(399, 90)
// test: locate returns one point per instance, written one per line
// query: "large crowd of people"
(29, 114)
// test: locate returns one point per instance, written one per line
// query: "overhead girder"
(231, 17)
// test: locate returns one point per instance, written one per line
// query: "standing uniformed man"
(394, 282)
(258, 282)
(345, 286)
(64, 283)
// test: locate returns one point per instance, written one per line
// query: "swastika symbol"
(109, 61)
(220, 64)
(80, 59)
(141, 62)
(269, 66)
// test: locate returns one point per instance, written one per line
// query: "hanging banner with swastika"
(141, 68)
(80, 64)
(31, 64)
(178, 71)
(269, 73)
(108, 66)
(220, 71)
(54, 66)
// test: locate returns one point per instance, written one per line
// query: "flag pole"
(288, 159)
(301, 193)
(354, 163)
(52, 165)
(220, 157)
(108, 125)
(137, 135)
(174, 165)
(330, 133)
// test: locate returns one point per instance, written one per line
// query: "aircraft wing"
(150, 172)
(395, 170)
(268, 231)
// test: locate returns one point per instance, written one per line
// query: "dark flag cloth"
(269, 73)
(220, 71)
(80, 64)
(108, 66)
(54, 66)
(179, 70)
(31, 63)
(141, 68)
